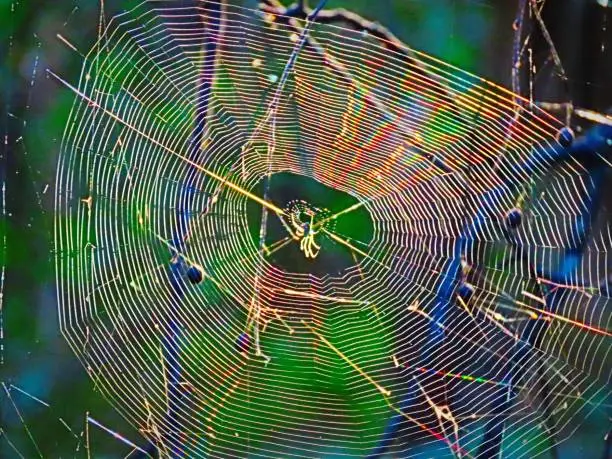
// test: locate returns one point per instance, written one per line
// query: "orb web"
(167, 286)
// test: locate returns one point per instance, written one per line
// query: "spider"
(306, 233)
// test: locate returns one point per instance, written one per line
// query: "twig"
(596, 117)
(291, 15)
(271, 117)
(215, 11)
(357, 22)
(549, 41)
(518, 52)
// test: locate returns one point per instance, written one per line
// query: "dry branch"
(356, 22)
(292, 16)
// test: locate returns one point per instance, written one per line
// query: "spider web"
(442, 162)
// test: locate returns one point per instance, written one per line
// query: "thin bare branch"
(359, 23)
(290, 17)
(568, 109)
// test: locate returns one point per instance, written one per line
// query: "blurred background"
(476, 35)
